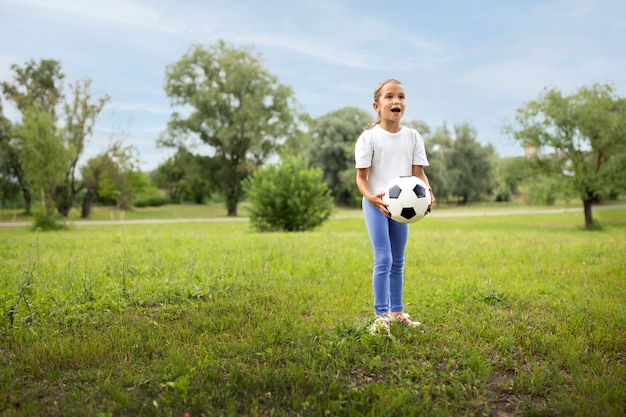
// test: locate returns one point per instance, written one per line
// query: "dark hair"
(377, 92)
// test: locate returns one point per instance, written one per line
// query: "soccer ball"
(408, 199)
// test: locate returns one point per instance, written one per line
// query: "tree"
(460, 166)
(511, 173)
(81, 114)
(41, 85)
(170, 176)
(235, 106)
(9, 186)
(197, 187)
(581, 137)
(437, 145)
(113, 177)
(42, 155)
(332, 149)
(470, 166)
(183, 177)
(33, 85)
(103, 174)
(94, 173)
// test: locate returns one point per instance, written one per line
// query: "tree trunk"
(65, 201)
(231, 202)
(87, 202)
(588, 216)
(27, 200)
(232, 197)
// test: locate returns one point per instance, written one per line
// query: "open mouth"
(396, 110)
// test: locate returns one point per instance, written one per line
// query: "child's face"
(390, 104)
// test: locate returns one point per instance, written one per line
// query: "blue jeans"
(388, 241)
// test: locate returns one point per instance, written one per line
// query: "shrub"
(44, 221)
(151, 201)
(289, 196)
(504, 194)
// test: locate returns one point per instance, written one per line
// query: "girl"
(383, 152)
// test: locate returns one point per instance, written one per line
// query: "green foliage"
(504, 195)
(47, 221)
(113, 177)
(43, 156)
(542, 191)
(108, 191)
(186, 177)
(579, 138)
(547, 190)
(238, 109)
(139, 186)
(471, 166)
(81, 112)
(9, 177)
(436, 147)
(288, 197)
(299, 143)
(151, 201)
(511, 174)
(40, 86)
(332, 149)
(36, 84)
(461, 168)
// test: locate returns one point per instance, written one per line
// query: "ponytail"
(377, 121)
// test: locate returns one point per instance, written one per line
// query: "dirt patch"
(503, 398)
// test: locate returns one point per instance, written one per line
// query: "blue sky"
(472, 61)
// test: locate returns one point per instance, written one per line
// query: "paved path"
(435, 214)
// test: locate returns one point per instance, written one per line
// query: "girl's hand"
(432, 201)
(377, 201)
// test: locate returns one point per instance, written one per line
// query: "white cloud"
(113, 12)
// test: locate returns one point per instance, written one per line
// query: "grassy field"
(524, 315)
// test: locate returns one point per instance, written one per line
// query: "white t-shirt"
(388, 155)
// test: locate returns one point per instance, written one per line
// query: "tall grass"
(523, 315)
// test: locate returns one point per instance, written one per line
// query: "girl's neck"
(390, 126)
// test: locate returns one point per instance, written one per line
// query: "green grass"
(523, 316)
(170, 211)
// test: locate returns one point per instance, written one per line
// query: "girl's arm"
(374, 199)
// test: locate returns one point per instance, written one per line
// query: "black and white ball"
(408, 199)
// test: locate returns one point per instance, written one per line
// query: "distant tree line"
(248, 121)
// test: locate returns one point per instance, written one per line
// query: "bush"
(504, 195)
(43, 221)
(151, 201)
(290, 196)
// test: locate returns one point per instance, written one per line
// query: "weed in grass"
(490, 296)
